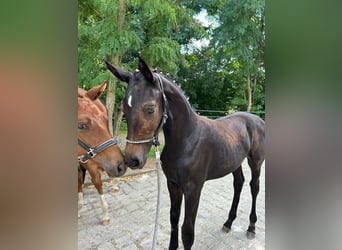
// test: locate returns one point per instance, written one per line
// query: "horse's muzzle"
(121, 169)
(134, 163)
(118, 171)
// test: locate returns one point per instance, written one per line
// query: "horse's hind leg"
(255, 166)
(238, 183)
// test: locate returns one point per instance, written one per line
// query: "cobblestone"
(132, 211)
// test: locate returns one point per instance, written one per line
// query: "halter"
(163, 119)
(92, 152)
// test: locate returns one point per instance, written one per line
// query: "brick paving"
(132, 205)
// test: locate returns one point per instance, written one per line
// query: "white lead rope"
(156, 222)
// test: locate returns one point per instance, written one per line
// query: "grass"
(151, 154)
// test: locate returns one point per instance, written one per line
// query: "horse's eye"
(150, 110)
(82, 126)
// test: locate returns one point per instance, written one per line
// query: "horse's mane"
(173, 83)
(176, 91)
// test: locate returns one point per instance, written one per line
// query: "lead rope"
(157, 154)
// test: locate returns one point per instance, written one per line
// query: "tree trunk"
(110, 102)
(117, 122)
(249, 91)
(121, 14)
(111, 90)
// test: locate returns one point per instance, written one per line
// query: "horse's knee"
(188, 236)
(174, 218)
(98, 184)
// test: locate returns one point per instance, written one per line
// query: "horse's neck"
(182, 120)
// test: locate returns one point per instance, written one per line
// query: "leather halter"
(162, 121)
(92, 152)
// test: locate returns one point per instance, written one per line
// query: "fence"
(213, 114)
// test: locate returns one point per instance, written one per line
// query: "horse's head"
(143, 111)
(93, 131)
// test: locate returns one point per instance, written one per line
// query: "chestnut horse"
(196, 148)
(97, 150)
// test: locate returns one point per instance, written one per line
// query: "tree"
(228, 74)
(242, 32)
(116, 30)
(203, 82)
(103, 35)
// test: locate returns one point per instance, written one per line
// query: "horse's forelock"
(136, 77)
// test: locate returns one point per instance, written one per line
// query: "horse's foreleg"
(254, 184)
(96, 180)
(192, 197)
(238, 183)
(80, 203)
(176, 196)
(80, 190)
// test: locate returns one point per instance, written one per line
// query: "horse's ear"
(121, 74)
(145, 70)
(95, 92)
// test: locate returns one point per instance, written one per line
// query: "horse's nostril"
(133, 163)
(121, 168)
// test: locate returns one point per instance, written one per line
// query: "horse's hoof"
(250, 235)
(225, 229)
(105, 222)
(115, 189)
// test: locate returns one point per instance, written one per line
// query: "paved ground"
(132, 211)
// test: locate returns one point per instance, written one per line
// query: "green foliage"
(213, 77)
(117, 30)
(205, 87)
(163, 52)
(242, 29)
(99, 39)
(154, 28)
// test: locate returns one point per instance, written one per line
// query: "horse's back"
(249, 120)
(242, 115)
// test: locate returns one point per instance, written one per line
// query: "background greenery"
(218, 60)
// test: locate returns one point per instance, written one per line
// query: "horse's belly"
(219, 169)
